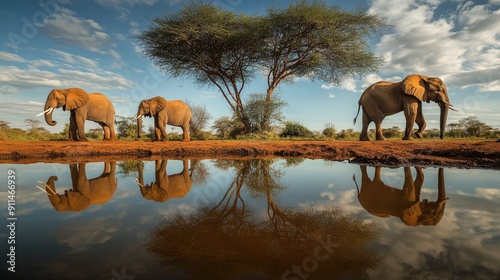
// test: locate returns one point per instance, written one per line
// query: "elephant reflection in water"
(84, 192)
(165, 186)
(383, 200)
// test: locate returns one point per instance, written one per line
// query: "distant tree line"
(227, 127)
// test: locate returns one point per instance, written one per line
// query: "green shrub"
(295, 129)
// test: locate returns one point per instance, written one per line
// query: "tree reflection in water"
(226, 241)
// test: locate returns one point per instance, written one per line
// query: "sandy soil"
(456, 153)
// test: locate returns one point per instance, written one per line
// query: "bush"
(329, 131)
(295, 129)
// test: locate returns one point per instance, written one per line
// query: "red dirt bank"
(457, 153)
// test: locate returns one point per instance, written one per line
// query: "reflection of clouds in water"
(343, 200)
(468, 234)
(330, 195)
(126, 194)
(146, 219)
(460, 241)
(173, 209)
(79, 235)
(487, 193)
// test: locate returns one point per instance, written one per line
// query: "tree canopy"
(226, 49)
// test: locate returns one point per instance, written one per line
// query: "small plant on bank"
(295, 130)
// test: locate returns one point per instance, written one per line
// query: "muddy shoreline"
(483, 154)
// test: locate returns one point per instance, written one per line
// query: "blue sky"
(50, 44)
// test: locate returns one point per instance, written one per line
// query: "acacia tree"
(317, 41)
(263, 112)
(209, 44)
(307, 39)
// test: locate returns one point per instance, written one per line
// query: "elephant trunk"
(441, 186)
(139, 127)
(50, 187)
(48, 114)
(442, 119)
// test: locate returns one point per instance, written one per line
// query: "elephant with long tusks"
(83, 106)
(385, 98)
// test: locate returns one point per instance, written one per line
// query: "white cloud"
(30, 77)
(331, 95)
(27, 78)
(76, 61)
(21, 107)
(423, 41)
(66, 28)
(348, 84)
(7, 56)
(41, 63)
(119, 5)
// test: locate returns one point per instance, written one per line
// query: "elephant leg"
(80, 125)
(107, 169)
(378, 130)
(160, 129)
(377, 177)
(157, 130)
(185, 132)
(73, 168)
(364, 174)
(409, 191)
(420, 122)
(364, 131)
(105, 130)
(419, 181)
(112, 134)
(72, 134)
(410, 111)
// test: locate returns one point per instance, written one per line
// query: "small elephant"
(175, 113)
(385, 98)
(84, 192)
(383, 200)
(165, 186)
(82, 106)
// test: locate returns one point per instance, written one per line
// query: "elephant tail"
(354, 179)
(354, 120)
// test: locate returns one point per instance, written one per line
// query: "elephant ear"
(158, 193)
(76, 98)
(157, 104)
(59, 202)
(415, 85)
(412, 214)
(77, 201)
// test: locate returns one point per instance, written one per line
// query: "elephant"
(385, 98)
(383, 200)
(84, 192)
(82, 106)
(165, 186)
(175, 113)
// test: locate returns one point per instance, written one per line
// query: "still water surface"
(252, 219)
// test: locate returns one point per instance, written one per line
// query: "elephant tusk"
(48, 111)
(51, 191)
(138, 183)
(453, 109)
(137, 116)
(42, 189)
(447, 103)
